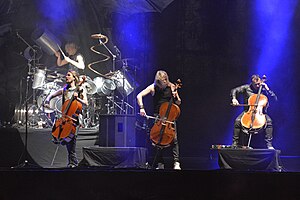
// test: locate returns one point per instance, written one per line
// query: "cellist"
(69, 91)
(246, 91)
(162, 91)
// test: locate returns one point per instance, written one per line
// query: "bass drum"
(48, 89)
(40, 101)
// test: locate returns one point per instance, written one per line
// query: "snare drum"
(39, 79)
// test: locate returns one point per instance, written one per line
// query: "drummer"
(73, 58)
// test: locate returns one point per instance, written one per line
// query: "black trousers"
(71, 146)
(268, 129)
(72, 157)
(175, 150)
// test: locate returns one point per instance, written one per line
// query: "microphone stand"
(111, 53)
(25, 151)
(113, 68)
(124, 66)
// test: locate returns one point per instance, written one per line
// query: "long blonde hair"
(160, 76)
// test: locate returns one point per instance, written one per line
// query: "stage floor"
(136, 184)
(41, 151)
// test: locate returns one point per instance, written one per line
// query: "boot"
(269, 145)
(268, 140)
(160, 166)
(234, 144)
(177, 166)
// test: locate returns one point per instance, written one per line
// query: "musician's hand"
(68, 59)
(235, 102)
(266, 86)
(142, 112)
(174, 93)
(46, 105)
(57, 54)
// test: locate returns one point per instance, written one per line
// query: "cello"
(254, 119)
(163, 131)
(64, 128)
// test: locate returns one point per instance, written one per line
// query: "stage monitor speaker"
(117, 131)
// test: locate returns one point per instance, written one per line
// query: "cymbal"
(98, 36)
(42, 67)
(55, 76)
(58, 80)
(51, 76)
(60, 75)
(57, 69)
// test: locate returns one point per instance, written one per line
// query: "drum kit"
(43, 81)
(102, 93)
(101, 96)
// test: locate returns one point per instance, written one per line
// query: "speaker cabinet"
(117, 131)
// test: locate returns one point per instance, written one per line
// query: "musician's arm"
(234, 92)
(79, 64)
(52, 95)
(177, 99)
(176, 95)
(269, 92)
(139, 97)
(59, 61)
(273, 95)
(83, 98)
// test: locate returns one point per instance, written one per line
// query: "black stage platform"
(125, 176)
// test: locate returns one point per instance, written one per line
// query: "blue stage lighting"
(270, 35)
(271, 28)
(57, 10)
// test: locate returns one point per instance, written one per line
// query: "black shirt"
(161, 96)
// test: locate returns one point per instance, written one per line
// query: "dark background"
(209, 45)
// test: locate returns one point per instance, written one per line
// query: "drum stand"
(124, 105)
